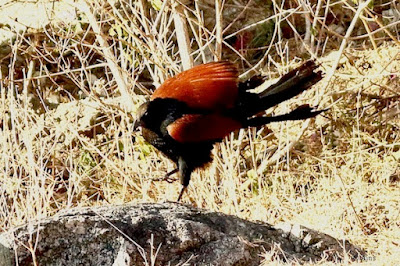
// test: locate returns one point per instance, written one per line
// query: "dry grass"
(66, 136)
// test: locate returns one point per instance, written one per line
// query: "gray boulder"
(160, 234)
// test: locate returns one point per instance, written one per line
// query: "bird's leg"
(181, 193)
(185, 172)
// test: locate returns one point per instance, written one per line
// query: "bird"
(199, 107)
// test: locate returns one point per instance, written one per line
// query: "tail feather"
(290, 85)
(300, 113)
(251, 83)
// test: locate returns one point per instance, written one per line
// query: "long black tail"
(288, 86)
(291, 84)
(300, 113)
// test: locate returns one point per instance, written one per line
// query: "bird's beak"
(136, 124)
(139, 114)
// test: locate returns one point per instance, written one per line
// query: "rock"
(160, 234)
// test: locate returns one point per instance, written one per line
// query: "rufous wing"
(212, 86)
(198, 128)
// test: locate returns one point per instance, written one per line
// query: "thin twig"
(120, 77)
(282, 152)
(218, 30)
(182, 37)
(343, 45)
(371, 37)
(377, 20)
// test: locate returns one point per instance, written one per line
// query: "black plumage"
(195, 109)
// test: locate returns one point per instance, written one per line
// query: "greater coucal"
(193, 110)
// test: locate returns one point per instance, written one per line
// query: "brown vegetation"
(69, 93)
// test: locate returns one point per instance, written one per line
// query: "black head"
(160, 112)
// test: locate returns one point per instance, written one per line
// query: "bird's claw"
(167, 177)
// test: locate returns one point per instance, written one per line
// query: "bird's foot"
(167, 177)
